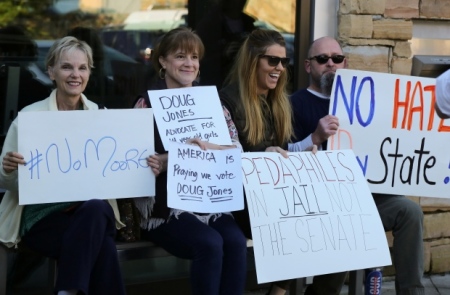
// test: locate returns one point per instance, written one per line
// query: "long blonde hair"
(244, 73)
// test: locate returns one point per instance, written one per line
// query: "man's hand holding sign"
(361, 101)
(402, 148)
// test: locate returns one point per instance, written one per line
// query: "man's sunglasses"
(273, 61)
(323, 59)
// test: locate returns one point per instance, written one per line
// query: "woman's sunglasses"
(323, 59)
(273, 61)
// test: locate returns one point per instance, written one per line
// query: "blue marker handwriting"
(103, 153)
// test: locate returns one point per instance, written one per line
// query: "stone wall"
(375, 36)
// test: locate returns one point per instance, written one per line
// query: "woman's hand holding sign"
(158, 163)
(312, 148)
(205, 145)
(11, 161)
(277, 149)
(284, 153)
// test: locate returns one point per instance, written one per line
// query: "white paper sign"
(311, 215)
(188, 112)
(82, 155)
(204, 181)
(389, 122)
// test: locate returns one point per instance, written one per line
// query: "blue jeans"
(83, 241)
(218, 251)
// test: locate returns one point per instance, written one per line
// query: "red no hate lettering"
(413, 94)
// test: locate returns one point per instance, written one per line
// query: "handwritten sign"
(81, 155)
(390, 123)
(314, 210)
(188, 112)
(204, 181)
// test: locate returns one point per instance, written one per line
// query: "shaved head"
(322, 74)
(324, 44)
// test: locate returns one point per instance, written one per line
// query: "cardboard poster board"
(189, 112)
(311, 215)
(389, 122)
(204, 181)
(82, 155)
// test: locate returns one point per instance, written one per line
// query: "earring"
(162, 73)
(198, 74)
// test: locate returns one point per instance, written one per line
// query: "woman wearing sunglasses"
(255, 94)
(256, 89)
(313, 124)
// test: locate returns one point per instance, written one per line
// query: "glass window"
(122, 35)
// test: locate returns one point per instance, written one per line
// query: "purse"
(131, 217)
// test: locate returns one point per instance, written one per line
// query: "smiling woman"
(255, 94)
(114, 80)
(212, 241)
(256, 88)
(80, 235)
(70, 72)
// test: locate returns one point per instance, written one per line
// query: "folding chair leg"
(51, 275)
(3, 269)
(297, 287)
(356, 282)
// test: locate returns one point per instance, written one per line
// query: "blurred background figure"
(116, 78)
(99, 86)
(19, 50)
(222, 31)
(21, 83)
(443, 95)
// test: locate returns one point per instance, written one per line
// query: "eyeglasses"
(273, 61)
(323, 59)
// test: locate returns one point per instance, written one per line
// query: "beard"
(326, 83)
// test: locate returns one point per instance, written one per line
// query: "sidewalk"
(437, 284)
(434, 285)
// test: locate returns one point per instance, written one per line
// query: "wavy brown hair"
(180, 38)
(244, 73)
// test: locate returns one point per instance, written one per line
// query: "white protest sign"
(204, 181)
(188, 112)
(311, 215)
(389, 122)
(82, 155)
